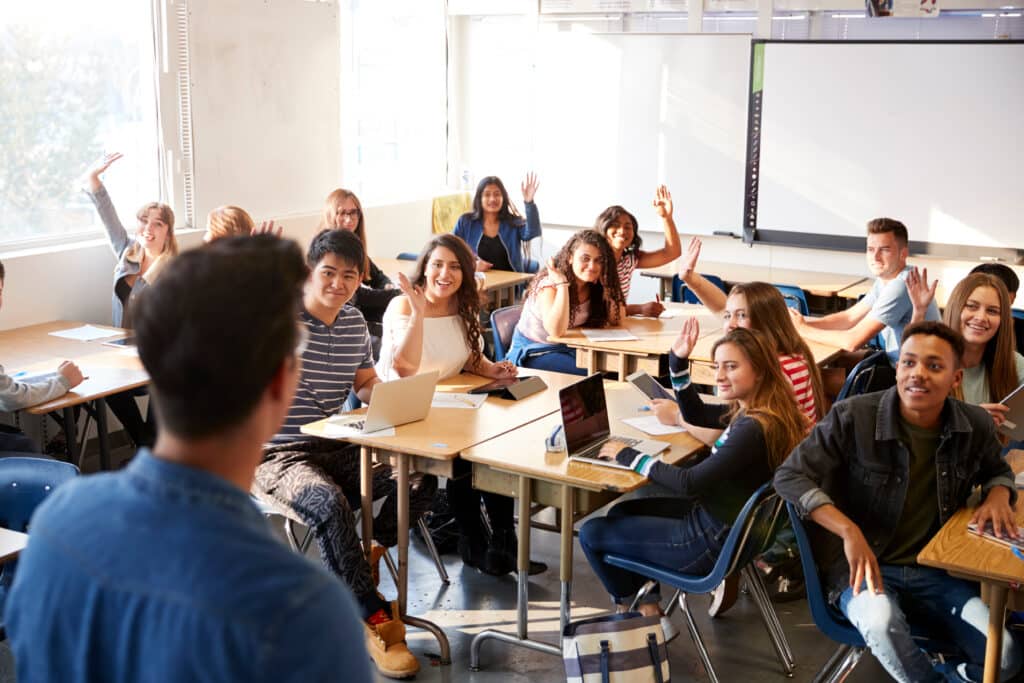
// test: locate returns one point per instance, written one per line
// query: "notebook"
(1014, 424)
(392, 404)
(586, 427)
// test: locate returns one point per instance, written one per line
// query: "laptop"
(585, 424)
(392, 404)
(1013, 426)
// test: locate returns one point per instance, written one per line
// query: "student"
(623, 234)
(15, 395)
(686, 531)
(436, 326)
(182, 580)
(495, 231)
(883, 472)
(1012, 282)
(886, 309)
(317, 480)
(344, 211)
(231, 221)
(578, 288)
(979, 307)
(139, 262)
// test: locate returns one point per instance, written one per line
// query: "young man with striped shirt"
(316, 481)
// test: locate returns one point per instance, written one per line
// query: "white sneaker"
(668, 628)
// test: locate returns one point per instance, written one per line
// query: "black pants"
(126, 410)
(465, 503)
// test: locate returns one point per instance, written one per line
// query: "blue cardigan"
(512, 236)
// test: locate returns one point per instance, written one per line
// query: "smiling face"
(735, 376)
(152, 231)
(886, 258)
(491, 199)
(331, 285)
(620, 233)
(443, 274)
(980, 316)
(587, 263)
(925, 374)
(736, 313)
(344, 214)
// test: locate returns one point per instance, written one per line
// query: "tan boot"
(386, 645)
(376, 552)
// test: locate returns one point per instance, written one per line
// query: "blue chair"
(872, 373)
(531, 266)
(503, 323)
(407, 256)
(682, 293)
(1018, 328)
(750, 535)
(795, 298)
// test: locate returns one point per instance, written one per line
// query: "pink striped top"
(794, 367)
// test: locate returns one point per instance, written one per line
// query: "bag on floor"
(620, 648)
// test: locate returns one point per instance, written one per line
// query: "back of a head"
(877, 226)
(229, 221)
(1001, 271)
(216, 327)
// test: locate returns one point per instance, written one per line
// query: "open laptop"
(585, 424)
(392, 404)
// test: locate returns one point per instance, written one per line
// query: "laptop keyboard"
(357, 425)
(596, 448)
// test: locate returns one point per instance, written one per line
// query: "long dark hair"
(467, 298)
(606, 294)
(506, 214)
(609, 216)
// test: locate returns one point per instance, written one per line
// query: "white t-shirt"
(444, 345)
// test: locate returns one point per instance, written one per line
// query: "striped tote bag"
(620, 648)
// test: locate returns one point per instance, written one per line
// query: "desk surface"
(110, 370)
(522, 451)
(956, 550)
(818, 283)
(493, 279)
(446, 432)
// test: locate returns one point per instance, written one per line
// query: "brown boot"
(386, 644)
(376, 552)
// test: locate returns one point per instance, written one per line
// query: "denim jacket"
(853, 458)
(512, 235)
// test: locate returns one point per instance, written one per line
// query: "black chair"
(872, 373)
(503, 324)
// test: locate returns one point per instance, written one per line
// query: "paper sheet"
(610, 334)
(340, 426)
(649, 424)
(450, 399)
(86, 333)
(26, 377)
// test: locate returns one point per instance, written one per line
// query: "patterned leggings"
(316, 482)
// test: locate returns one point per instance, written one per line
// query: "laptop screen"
(584, 413)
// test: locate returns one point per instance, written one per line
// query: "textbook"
(988, 535)
(1014, 424)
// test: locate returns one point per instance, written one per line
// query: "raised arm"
(921, 295)
(693, 409)
(672, 248)
(404, 320)
(531, 228)
(117, 236)
(708, 293)
(553, 300)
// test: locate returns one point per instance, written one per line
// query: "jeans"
(926, 597)
(670, 532)
(554, 357)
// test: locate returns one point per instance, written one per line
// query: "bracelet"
(559, 284)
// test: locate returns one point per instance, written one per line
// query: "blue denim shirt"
(512, 236)
(854, 459)
(162, 572)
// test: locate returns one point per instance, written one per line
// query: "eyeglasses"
(351, 213)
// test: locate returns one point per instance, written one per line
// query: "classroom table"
(516, 464)
(430, 446)
(11, 544)
(500, 285)
(827, 285)
(655, 337)
(987, 562)
(108, 371)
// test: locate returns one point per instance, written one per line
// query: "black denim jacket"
(853, 458)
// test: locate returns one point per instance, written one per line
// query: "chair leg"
(702, 651)
(293, 540)
(770, 618)
(673, 603)
(392, 569)
(644, 590)
(839, 665)
(432, 549)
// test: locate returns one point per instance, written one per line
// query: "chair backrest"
(1018, 329)
(503, 323)
(407, 256)
(795, 298)
(24, 483)
(683, 294)
(872, 373)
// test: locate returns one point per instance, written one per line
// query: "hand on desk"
(996, 509)
(71, 372)
(687, 338)
(667, 411)
(652, 309)
(502, 370)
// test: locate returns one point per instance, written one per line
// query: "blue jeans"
(670, 532)
(926, 597)
(554, 357)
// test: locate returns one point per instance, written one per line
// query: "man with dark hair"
(167, 570)
(316, 481)
(885, 309)
(1004, 273)
(883, 472)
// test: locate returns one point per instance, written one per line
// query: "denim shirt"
(162, 572)
(512, 236)
(119, 241)
(853, 459)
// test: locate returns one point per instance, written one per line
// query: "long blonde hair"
(327, 221)
(135, 250)
(772, 404)
(229, 221)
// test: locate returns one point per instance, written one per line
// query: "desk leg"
(103, 433)
(994, 644)
(402, 463)
(565, 558)
(522, 595)
(366, 496)
(71, 436)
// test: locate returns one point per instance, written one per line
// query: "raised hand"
(663, 202)
(555, 276)
(417, 297)
(529, 186)
(687, 338)
(921, 294)
(98, 167)
(71, 372)
(268, 228)
(688, 261)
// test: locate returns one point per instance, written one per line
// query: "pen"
(643, 408)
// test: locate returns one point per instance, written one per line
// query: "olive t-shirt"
(919, 520)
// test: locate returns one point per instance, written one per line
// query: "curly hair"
(467, 298)
(606, 294)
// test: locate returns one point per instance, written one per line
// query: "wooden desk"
(655, 338)
(431, 445)
(516, 464)
(829, 285)
(11, 544)
(109, 371)
(499, 284)
(991, 564)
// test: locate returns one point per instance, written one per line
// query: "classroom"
(441, 190)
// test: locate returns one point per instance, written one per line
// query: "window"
(78, 80)
(393, 107)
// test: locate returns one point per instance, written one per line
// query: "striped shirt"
(626, 265)
(329, 364)
(794, 367)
